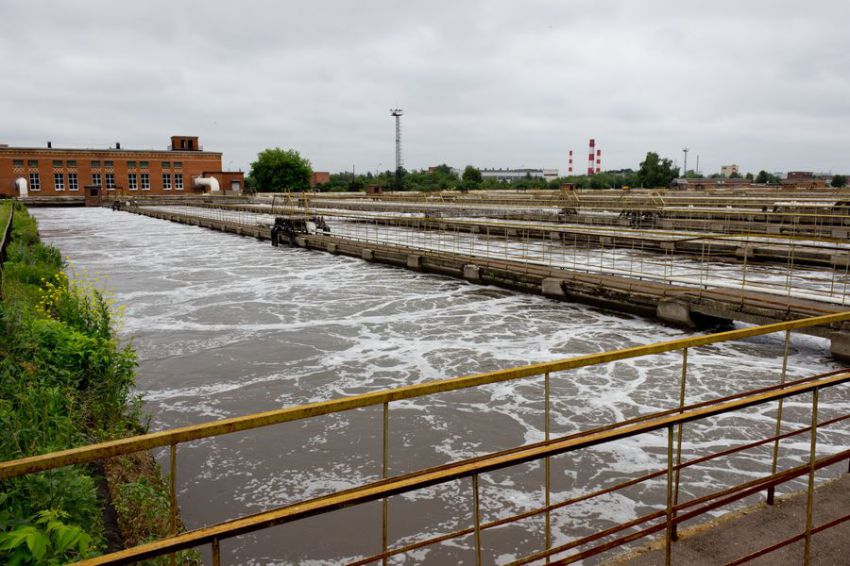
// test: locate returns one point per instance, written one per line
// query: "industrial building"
(184, 167)
(729, 170)
(509, 175)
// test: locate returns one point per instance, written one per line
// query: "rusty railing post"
(477, 508)
(216, 552)
(668, 537)
(772, 489)
(677, 472)
(810, 496)
(547, 429)
(172, 495)
(384, 472)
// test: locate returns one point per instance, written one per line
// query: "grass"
(65, 381)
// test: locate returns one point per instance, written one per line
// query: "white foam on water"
(226, 326)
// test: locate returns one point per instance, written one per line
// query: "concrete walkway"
(761, 526)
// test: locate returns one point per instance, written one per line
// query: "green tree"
(471, 175)
(839, 181)
(656, 172)
(765, 178)
(749, 177)
(279, 170)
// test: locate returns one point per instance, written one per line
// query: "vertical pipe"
(683, 381)
(216, 552)
(810, 496)
(771, 490)
(477, 508)
(668, 538)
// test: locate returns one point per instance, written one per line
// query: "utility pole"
(685, 172)
(397, 114)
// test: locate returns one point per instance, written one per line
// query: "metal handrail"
(42, 462)
(382, 489)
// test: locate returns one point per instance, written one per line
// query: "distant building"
(510, 175)
(47, 171)
(319, 178)
(700, 184)
(800, 176)
(453, 170)
(729, 170)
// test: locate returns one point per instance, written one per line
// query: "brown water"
(227, 326)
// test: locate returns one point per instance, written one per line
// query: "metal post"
(384, 471)
(547, 464)
(476, 504)
(810, 497)
(675, 532)
(216, 552)
(668, 538)
(172, 494)
(771, 490)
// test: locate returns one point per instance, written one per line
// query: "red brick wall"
(320, 178)
(226, 179)
(193, 163)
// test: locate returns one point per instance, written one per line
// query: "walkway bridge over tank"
(695, 287)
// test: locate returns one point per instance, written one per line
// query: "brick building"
(184, 168)
(319, 178)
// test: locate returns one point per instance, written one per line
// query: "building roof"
(11, 149)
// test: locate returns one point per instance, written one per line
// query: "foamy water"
(226, 326)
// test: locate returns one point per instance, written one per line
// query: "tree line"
(278, 170)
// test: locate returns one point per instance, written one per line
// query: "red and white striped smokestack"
(570, 165)
(599, 161)
(590, 157)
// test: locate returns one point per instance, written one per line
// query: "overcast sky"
(761, 83)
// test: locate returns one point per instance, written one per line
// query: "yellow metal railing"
(171, 438)
(474, 467)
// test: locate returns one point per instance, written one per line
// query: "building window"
(18, 162)
(72, 182)
(57, 163)
(35, 182)
(95, 179)
(166, 165)
(178, 181)
(95, 164)
(110, 181)
(108, 164)
(131, 182)
(235, 186)
(72, 163)
(144, 164)
(131, 164)
(166, 181)
(59, 181)
(146, 182)
(178, 164)
(33, 163)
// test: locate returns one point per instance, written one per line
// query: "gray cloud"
(760, 83)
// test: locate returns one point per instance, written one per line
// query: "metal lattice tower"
(397, 113)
